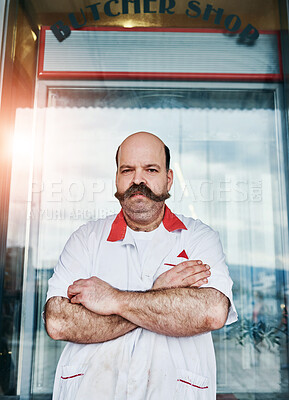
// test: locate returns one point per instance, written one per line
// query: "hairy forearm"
(75, 323)
(175, 312)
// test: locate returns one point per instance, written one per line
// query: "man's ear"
(116, 179)
(170, 176)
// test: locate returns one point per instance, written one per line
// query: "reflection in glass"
(227, 159)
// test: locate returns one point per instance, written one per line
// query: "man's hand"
(192, 273)
(95, 295)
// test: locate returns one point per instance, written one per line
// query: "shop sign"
(113, 8)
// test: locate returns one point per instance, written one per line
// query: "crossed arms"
(175, 306)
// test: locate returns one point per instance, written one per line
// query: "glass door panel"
(227, 157)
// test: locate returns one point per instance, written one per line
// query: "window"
(227, 155)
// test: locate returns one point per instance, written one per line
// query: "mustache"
(143, 189)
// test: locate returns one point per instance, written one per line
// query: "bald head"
(144, 139)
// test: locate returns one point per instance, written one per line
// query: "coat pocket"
(70, 380)
(191, 386)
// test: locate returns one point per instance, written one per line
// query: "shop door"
(227, 151)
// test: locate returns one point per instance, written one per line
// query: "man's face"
(141, 161)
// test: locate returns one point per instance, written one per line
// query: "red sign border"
(160, 76)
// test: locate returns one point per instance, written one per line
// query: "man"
(137, 294)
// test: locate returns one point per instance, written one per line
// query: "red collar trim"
(171, 222)
(118, 228)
